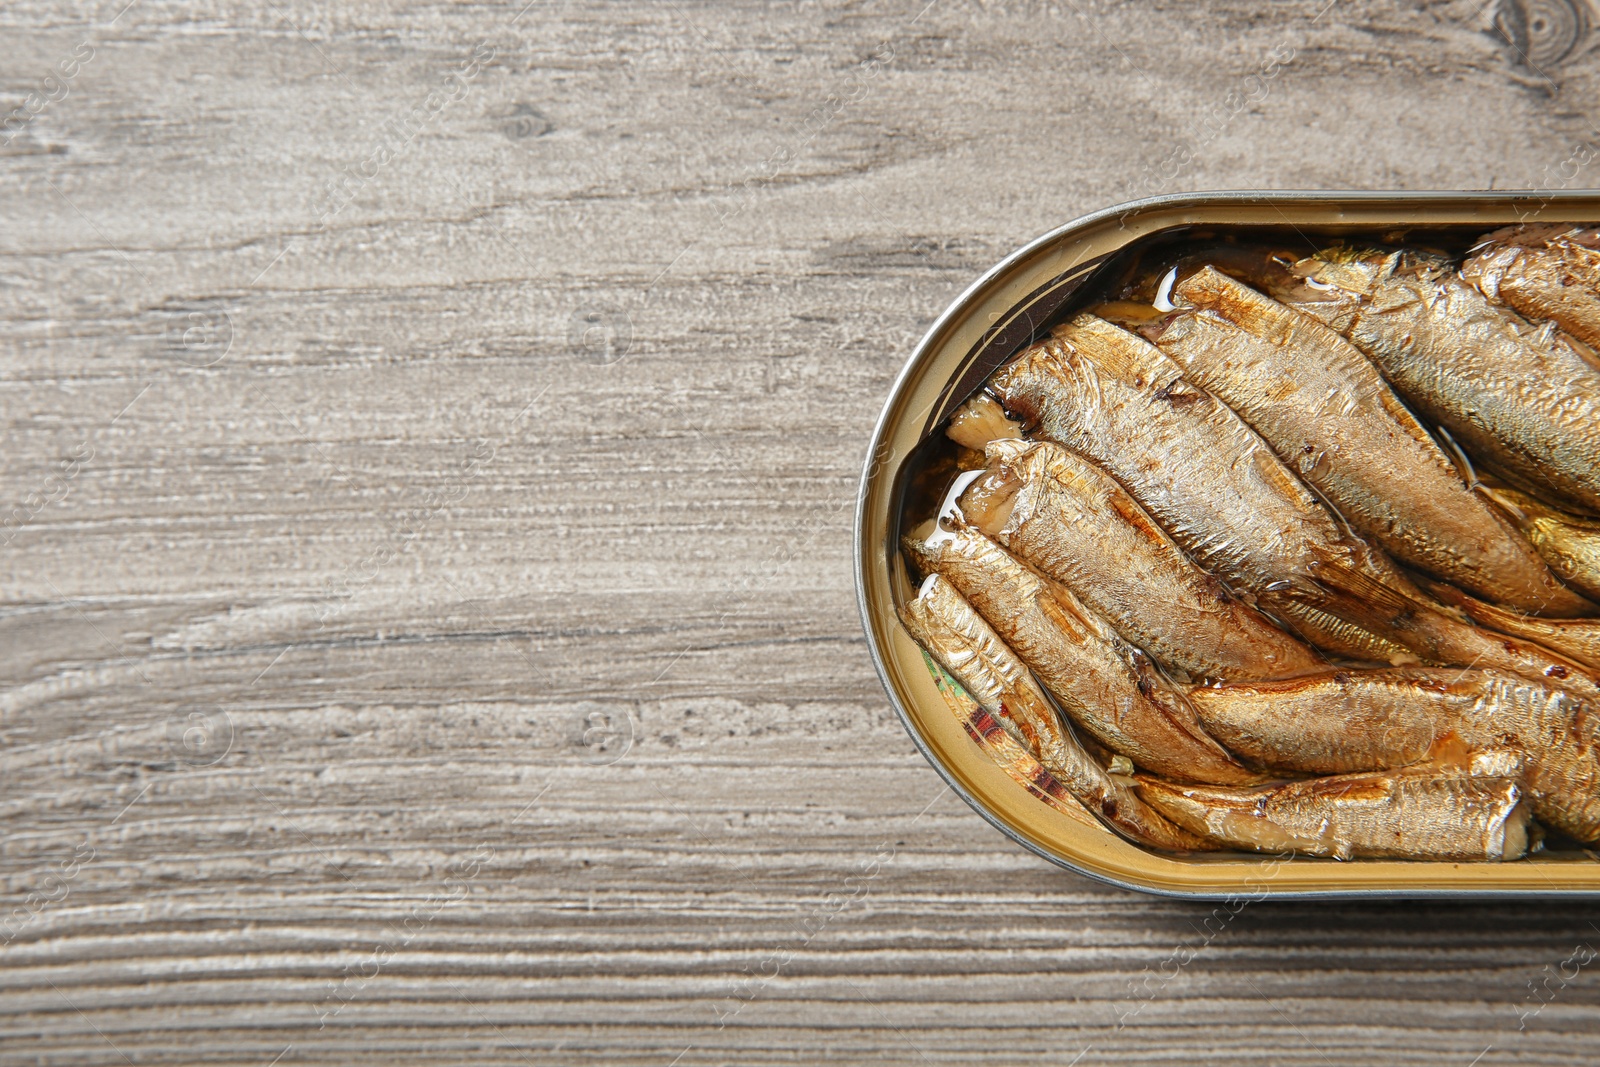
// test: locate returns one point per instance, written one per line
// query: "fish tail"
(1442, 638)
(1340, 623)
(1577, 639)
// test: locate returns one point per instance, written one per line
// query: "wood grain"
(428, 633)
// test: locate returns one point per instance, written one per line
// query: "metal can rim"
(1351, 209)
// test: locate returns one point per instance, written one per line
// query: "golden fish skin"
(1225, 497)
(1328, 413)
(1545, 271)
(1577, 639)
(1107, 686)
(1344, 721)
(1525, 401)
(1442, 639)
(1570, 545)
(1074, 523)
(958, 638)
(1211, 482)
(1408, 816)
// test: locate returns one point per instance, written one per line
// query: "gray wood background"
(425, 606)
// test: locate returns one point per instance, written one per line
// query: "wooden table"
(431, 433)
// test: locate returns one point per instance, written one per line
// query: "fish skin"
(1442, 639)
(1078, 526)
(956, 636)
(1211, 482)
(1109, 688)
(1351, 721)
(1577, 639)
(1434, 816)
(1545, 271)
(1224, 496)
(1330, 416)
(1569, 544)
(1523, 400)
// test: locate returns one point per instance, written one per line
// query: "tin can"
(1007, 309)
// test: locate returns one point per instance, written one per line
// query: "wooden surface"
(428, 632)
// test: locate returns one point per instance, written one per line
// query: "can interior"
(1131, 272)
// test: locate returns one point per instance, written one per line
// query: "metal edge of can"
(913, 364)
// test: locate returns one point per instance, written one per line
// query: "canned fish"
(1171, 787)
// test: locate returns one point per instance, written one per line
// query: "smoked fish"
(1524, 401)
(1211, 482)
(1108, 687)
(1569, 544)
(1222, 494)
(1577, 639)
(963, 644)
(1077, 525)
(1545, 271)
(1328, 413)
(1407, 815)
(1353, 720)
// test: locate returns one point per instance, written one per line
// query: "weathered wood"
(426, 607)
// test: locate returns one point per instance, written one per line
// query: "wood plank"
(425, 607)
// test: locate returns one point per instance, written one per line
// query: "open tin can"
(1010, 307)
